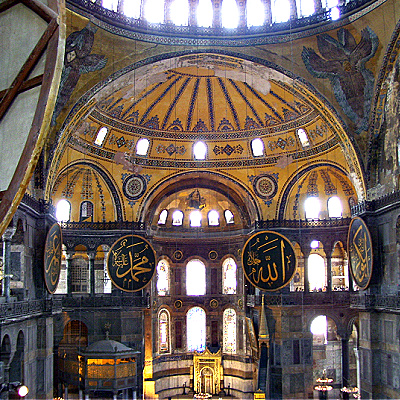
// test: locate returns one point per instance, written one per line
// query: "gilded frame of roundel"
(359, 250)
(52, 257)
(269, 251)
(131, 263)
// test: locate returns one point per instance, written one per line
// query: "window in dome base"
(154, 11)
(213, 218)
(162, 219)
(312, 207)
(257, 147)
(334, 207)
(63, 211)
(302, 134)
(280, 10)
(204, 13)
(195, 218)
(180, 12)
(101, 135)
(177, 218)
(132, 8)
(255, 13)
(230, 14)
(199, 150)
(229, 218)
(110, 4)
(142, 146)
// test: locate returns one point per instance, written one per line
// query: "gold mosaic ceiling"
(192, 99)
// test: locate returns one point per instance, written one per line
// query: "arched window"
(132, 8)
(163, 331)
(255, 13)
(213, 218)
(195, 278)
(162, 219)
(86, 213)
(280, 10)
(205, 13)
(316, 272)
(179, 12)
(229, 14)
(154, 11)
(334, 207)
(319, 328)
(229, 217)
(63, 211)
(196, 329)
(195, 218)
(229, 276)
(257, 147)
(305, 8)
(199, 150)
(302, 134)
(101, 135)
(312, 207)
(229, 345)
(162, 278)
(142, 146)
(177, 218)
(110, 4)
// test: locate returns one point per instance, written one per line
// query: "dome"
(107, 347)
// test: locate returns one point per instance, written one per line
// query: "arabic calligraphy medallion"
(269, 261)
(52, 258)
(359, 247)
(131, 263)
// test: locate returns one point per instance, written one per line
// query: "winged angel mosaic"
(342, 61)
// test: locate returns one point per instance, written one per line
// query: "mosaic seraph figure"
(77, 61)
(343, 61)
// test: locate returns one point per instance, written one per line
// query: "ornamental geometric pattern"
(228, 150)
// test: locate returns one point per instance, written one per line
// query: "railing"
(299, 223)
(107, 226)
(29, 308)
(375, 301)
(104, 301)
(315, 299)
(374, 205)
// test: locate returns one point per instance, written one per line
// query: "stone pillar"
(317, 5)
(306, 282)
(268, 12)
(8, 234)
(241, 5)
(92, 256)
(217, 17)
(193, 12)
(68, 258)
(293, 9)
(328, 272)
(345, 365)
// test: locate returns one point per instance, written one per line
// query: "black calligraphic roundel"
(131, 263)
(52, 258)
(269, 261)
(359, 248)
